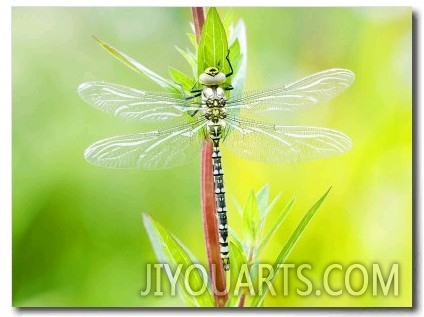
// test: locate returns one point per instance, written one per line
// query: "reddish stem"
(210, 223)
(242, 300)
(198, 19)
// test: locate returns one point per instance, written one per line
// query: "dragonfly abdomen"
(215, 133)
(221, 208)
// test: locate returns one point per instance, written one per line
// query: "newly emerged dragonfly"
(249, 125)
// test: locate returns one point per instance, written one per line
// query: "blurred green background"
(78, 239)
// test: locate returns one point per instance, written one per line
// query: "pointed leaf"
(181, 79)
(276, 224)
(270, 207)
(190, 58)
(262, 197)
(235, 56)
(251, 220)
(240, 61)
(169, 249)
(282, 256)
(238, 243)
(234, 51)
(238, 207)
(236, 240)
(193, 40)
(227, 21)
(213, 47)
(134, 65)
(237, 258)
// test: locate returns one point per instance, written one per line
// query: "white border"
(5, 164)
(216, 3)
(5, 143)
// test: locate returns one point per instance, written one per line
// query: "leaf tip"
(97, 39)
(146, 217)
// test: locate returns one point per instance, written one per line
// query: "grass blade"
(281, 258)
(251, 220)
(190, 58)
(276, 224)
(237, 82)
(136, 66)
(262, 196)
(169, 249)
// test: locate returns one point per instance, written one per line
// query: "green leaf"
(236, 56)
(232, 301)
(136, 66)
(261, 303)
(239, 63)
(270, 207)
(213, 47)
(193, 41)
(237, 255)
(237, 206)
(235, 239)
(262, 197)
(169, 249)
(227, 21)
(282, 256)
(251, 220)
(237, 258)
(234, 50)
(190, 58)
(182, 79)
(281, 216)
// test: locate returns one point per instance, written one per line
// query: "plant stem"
(198, 19)
(210, 223)
(249, 260)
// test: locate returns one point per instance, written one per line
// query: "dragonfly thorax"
(214, 102)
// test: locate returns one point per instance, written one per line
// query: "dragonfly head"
(212, 77)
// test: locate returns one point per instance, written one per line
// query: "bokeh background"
(78, 239)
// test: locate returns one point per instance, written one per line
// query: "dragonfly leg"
(195, 93)
(229, 63)
(228, 87)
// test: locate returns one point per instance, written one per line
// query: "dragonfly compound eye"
(209, 78)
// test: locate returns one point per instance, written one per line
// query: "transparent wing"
(148, 150)
(297, 96)
(135, 104)
(276, 144)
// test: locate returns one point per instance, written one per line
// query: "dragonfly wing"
(309, 91)
(134, 104)
(148, 150)
(284, 144)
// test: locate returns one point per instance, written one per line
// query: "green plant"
(245, 254)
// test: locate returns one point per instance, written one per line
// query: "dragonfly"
(249, 125)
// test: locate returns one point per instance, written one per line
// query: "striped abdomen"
(218, 177)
